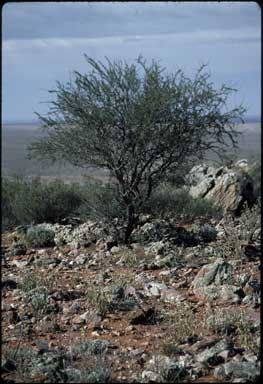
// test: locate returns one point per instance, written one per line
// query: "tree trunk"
(131, 221)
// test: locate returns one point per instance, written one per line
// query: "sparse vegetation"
(169, 201)
(100, 201)
(182, 323)
(243, 232)
(38, 298)
(255, 173)
(225, 322)
(39, 236)
(27, 202)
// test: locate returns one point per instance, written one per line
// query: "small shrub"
(129, 258)
(100, 299)
(241, 233)
(111, 298)
(226, 323)
(168, 201)
(19, 247)
(182, 323)
(38, 298)
(255, 173)
(39, 236)
(100, 202)
(205, 232)
(30, 281)
(31, 201)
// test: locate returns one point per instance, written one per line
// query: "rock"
(115, 250)
(242, 164)
(19, 263)
(217, 273)
(18, 248)
(154, 288)
(83, 234)
(199, 173)
(228, 188)
(200, 190)
(75, 245)
(172, 296)
(225, 293)
(251, 357)
(81, 259)
(109, 243)
(144, 317)
(210, 355)
(169, 369)
(231, 192)
(7, 365)
(150, 376)
(156, 248)
(9, 284)
(238, 370)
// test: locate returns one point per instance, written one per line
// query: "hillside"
(180, 303)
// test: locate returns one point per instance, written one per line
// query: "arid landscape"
(181, 303)
(16, 137)
(131, 207)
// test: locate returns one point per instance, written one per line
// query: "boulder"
(154, 288)
(172, 296)
(228, 188)
(165, 368)
(201, 189)
(218, 273)
(210, 355)
(245, 370)
(225, 293)
(213, 281)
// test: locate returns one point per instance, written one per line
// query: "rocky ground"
(181, 304)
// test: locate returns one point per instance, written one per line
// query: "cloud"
(47, 40)
(93, 19)
(211, 36)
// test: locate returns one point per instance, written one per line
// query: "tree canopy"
(138, 122)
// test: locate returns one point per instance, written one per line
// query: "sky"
(44, 42)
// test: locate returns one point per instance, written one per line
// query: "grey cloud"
(44, 20)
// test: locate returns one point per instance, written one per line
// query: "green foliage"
(26, 202)
(137, 122)
(39, 236)
(30, 281)
(101, 202)
(169, 201)
(255, 173)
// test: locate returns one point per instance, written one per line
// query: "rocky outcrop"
(214, 281)
(229, 188)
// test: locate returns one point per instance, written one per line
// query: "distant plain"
(16, 137)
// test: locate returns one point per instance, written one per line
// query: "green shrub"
(205, 232)
(40, 236)
(26, 202)
(10, 190)
(101, 202)
(169, 201)
(255, 173)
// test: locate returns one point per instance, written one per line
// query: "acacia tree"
(138, 123)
